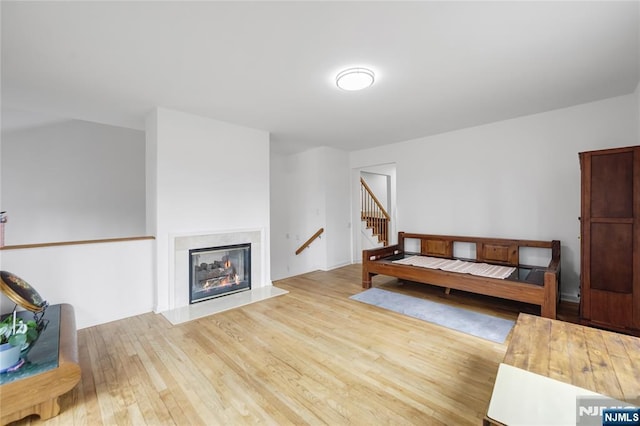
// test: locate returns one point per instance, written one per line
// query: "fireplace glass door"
(219, 271)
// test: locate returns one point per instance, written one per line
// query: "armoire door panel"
(612, 185)
(611, 257)
(610, 239)
(606, 308)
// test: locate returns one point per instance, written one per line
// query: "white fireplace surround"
(179, 285)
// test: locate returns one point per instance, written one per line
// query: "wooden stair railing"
(374, 214)
(309, 241)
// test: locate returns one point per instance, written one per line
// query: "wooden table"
(599, 361)
(51, 370)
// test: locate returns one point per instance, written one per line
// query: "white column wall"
(337, 211)
(280, 206)
(517, 178)
(209, 177)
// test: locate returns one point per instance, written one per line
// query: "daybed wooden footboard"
(537, 285)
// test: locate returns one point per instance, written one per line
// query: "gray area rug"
(480, 325)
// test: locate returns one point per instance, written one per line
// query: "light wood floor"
(312, 356)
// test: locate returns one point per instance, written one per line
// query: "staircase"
(368, 241)
(373, 214)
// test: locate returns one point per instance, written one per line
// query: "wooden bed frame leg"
(366, 279)
(548, 307)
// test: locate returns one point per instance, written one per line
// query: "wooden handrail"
(375, 199)
(309, 241)
(73, 243)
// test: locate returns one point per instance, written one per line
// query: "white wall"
(337, 208)
(2, 241)
(518, 178)
(75, 180)
(637, 94)
(279, 207)
(297, 212)
(72, 180)
(205, 177)
(309, 190)
(104, 282)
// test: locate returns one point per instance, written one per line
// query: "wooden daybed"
(537, 285)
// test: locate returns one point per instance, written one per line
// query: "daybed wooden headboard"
(491, 250)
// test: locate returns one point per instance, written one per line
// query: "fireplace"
(219, 271)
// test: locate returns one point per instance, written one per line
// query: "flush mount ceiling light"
(355, 79)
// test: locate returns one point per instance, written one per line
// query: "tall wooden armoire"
(610, 239)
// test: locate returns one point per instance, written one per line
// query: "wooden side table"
(51, 369)
(591, 359)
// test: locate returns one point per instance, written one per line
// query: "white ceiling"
(440, 66)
